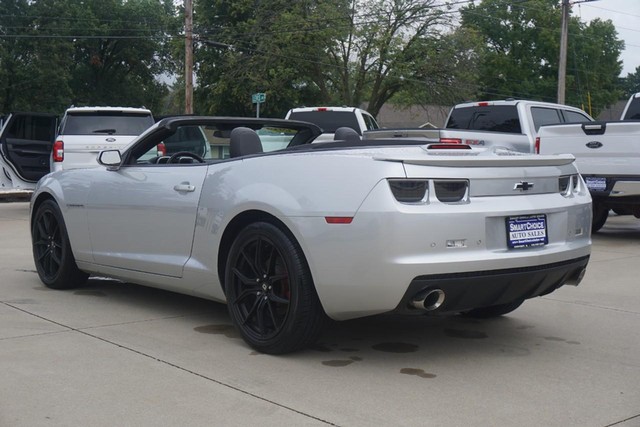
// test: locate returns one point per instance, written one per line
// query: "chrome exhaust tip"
(429, 300)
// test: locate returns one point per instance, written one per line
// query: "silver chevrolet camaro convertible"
(290, 232)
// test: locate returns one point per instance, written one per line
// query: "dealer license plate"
(527, 231)
(596, 183)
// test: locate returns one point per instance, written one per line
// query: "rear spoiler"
(476, 159)
(426, 134)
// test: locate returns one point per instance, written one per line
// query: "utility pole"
(562, 65)
(564, 36)
(188, 56)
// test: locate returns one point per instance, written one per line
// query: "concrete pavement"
(117, 354)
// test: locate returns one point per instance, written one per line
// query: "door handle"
(185, 186)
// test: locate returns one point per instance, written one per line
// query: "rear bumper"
(617, 187)
(465, 291)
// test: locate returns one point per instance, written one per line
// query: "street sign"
(258, 98)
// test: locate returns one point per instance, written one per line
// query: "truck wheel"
(600, 215)
(622, 211)
(270, 293)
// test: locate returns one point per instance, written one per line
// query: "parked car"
(511, 124)
(32, 144)
(343, 229)
(331, 118)
(26, 140)
(85, 131)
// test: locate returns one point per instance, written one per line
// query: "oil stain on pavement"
(417, 372)
(395, 347)
(464, 333)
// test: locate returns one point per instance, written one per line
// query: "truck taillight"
(162, 149)
(58, 151)
(536, 148)
(456, 146)
(450, 141)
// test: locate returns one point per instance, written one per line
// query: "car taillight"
(536, 148)
(162, 150)
(409, 190)
(452, 191)
(483, 104)
(450, 141)
(58, 151)
(569, 185)
(322, 109)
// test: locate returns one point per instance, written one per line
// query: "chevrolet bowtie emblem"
(523, 186)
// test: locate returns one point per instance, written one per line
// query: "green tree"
(594, 66)
(270, 46)
(631, 83)
(340, 52)
(450, 73)
(521, 53)
(124, 50)
(387, 46)
(33, 69)
(54, 53)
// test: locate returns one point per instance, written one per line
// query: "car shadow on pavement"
(341, 343)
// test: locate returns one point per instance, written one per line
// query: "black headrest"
(346, 134)
(243, 142)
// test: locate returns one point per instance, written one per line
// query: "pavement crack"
(173, 365)
(623, 421)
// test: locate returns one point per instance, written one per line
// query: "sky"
(625, 16)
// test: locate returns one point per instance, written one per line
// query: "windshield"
(328, 121)
(105, 123)
(494, 118)
(633, 112)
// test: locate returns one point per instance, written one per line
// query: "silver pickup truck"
(508, 124)
(511, 124)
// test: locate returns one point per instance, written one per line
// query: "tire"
(622, 211)
(494, 310)
(52, 254)
(271, 297)
(600, 215)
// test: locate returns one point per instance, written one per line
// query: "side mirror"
(111, 159)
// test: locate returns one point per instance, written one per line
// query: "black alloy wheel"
(270, 294)
(52, 254)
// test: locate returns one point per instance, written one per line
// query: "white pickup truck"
(608, 158)
(331, 118)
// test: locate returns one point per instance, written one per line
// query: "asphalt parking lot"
(113, 354)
